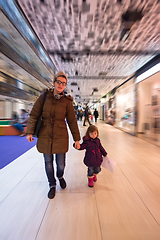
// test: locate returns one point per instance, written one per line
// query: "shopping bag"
(109, 164)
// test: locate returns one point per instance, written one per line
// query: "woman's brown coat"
(53, 134)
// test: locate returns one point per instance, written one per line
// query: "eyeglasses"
(59, 83)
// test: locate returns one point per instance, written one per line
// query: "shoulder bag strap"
(43, 101)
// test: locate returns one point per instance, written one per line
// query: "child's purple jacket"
(94, 152)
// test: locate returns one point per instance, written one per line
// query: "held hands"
(30, 138)
(77, 145)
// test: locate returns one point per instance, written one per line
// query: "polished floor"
(124, 205)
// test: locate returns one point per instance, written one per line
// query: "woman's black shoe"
(62, 183)
(52, 192)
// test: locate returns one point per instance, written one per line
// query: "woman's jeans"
(93, 170)
(49, 167)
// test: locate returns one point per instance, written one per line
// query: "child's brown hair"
(90, 129)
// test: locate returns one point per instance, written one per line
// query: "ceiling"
(98, 44)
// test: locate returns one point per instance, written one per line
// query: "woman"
(53, 134)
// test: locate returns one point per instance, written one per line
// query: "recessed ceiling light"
(102, 74)
(73, 84)
(95, 89)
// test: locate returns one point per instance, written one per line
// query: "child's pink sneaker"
(95, 178)
(90, 182)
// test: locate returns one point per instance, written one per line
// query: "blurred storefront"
(125, 99)
(109, 108)
(148, 93)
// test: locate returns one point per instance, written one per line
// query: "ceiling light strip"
(148, 73)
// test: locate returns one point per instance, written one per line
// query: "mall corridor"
(121, 206)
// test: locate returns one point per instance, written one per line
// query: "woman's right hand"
(30, 138)
(77, 145)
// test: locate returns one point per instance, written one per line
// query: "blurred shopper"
(94, 151)
(53, 134)
(112, 113)
(15, 117)
(96, 114)
(78, 114)
(86, 116)
(91, 117)
(81, 114)
(22, 122)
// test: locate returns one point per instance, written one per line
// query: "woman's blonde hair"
(91, 129)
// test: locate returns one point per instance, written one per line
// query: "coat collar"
(89, 139)
(51, 94)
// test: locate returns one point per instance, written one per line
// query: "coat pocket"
(60, 130)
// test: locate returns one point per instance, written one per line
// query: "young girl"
(94, 151)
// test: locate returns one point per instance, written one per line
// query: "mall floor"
(124, 205)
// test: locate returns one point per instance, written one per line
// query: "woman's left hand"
(77, 145)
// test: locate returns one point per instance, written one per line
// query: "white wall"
(7, 109)
(8, 106)
(2, 109)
